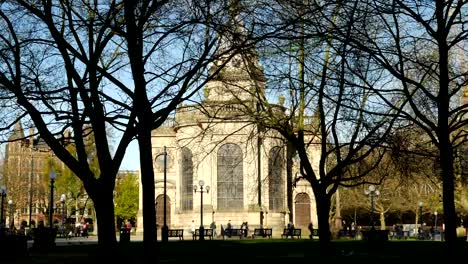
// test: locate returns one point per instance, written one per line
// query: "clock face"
(159, 161)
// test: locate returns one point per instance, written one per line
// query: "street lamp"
(10, 213)
(207, 190)
(372, 191)
(63, 198)
(51, 206)
(31, 177)
(3, 193)
(420, 213)
(165, 228)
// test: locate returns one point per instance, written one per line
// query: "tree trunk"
(147, 181)
(448, 190)
(445, 144)
(382, 221)
(323, 213)
(104, 206)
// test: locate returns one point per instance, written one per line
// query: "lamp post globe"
(10, 213)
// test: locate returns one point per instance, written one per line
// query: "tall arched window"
(275, 177)
(186, 183)
(230, 178)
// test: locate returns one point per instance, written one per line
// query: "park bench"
(234, 232)
(208, 232)
(398, 235)
(315, 233)
(176, 233)
(296, 232)
(262, 232)
(347, 234)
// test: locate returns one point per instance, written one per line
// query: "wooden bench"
(64, 233)
(208, 232)
(315, 233)
(234, 232)
(262, 232)
(176, 233)
(296, 232)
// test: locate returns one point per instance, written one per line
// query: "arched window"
(230, 178)
(186, 183)
(275, 177)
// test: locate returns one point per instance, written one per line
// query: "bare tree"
(69, 64)
(422, 47)
(324, 112)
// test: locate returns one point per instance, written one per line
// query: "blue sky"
(131, 160)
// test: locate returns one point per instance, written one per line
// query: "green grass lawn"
(254, 251)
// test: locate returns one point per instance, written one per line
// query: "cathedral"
(213, 157)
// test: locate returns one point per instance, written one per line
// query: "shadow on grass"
(250, 251)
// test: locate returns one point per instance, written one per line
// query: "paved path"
(84, 240)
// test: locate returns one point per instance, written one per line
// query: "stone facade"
(246, 168)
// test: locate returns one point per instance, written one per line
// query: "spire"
(18, 132)
(242, 73)
(31, 136)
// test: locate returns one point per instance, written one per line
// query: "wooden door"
(160, 211)
(302, 210)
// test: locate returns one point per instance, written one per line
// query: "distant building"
(25, 170)
(27, 163)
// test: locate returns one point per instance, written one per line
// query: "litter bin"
(124, 235)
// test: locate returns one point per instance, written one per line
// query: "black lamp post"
(51, 206)
(31, 177)
(63, 198)
(372, 192)
(10, 213)
(3, 193)
(420, 214)
(165, 229)
(207, 190)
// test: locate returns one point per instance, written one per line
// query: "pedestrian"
(222, 232)
(213, 227)
(228, 228)
(192, 228)
(311, 228)
(246, 229)
(77, 229)
(128, 226)
(290, 229)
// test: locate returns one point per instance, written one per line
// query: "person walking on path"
(228, 228)
(311, 229)
(193, 227)
(213, 227)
